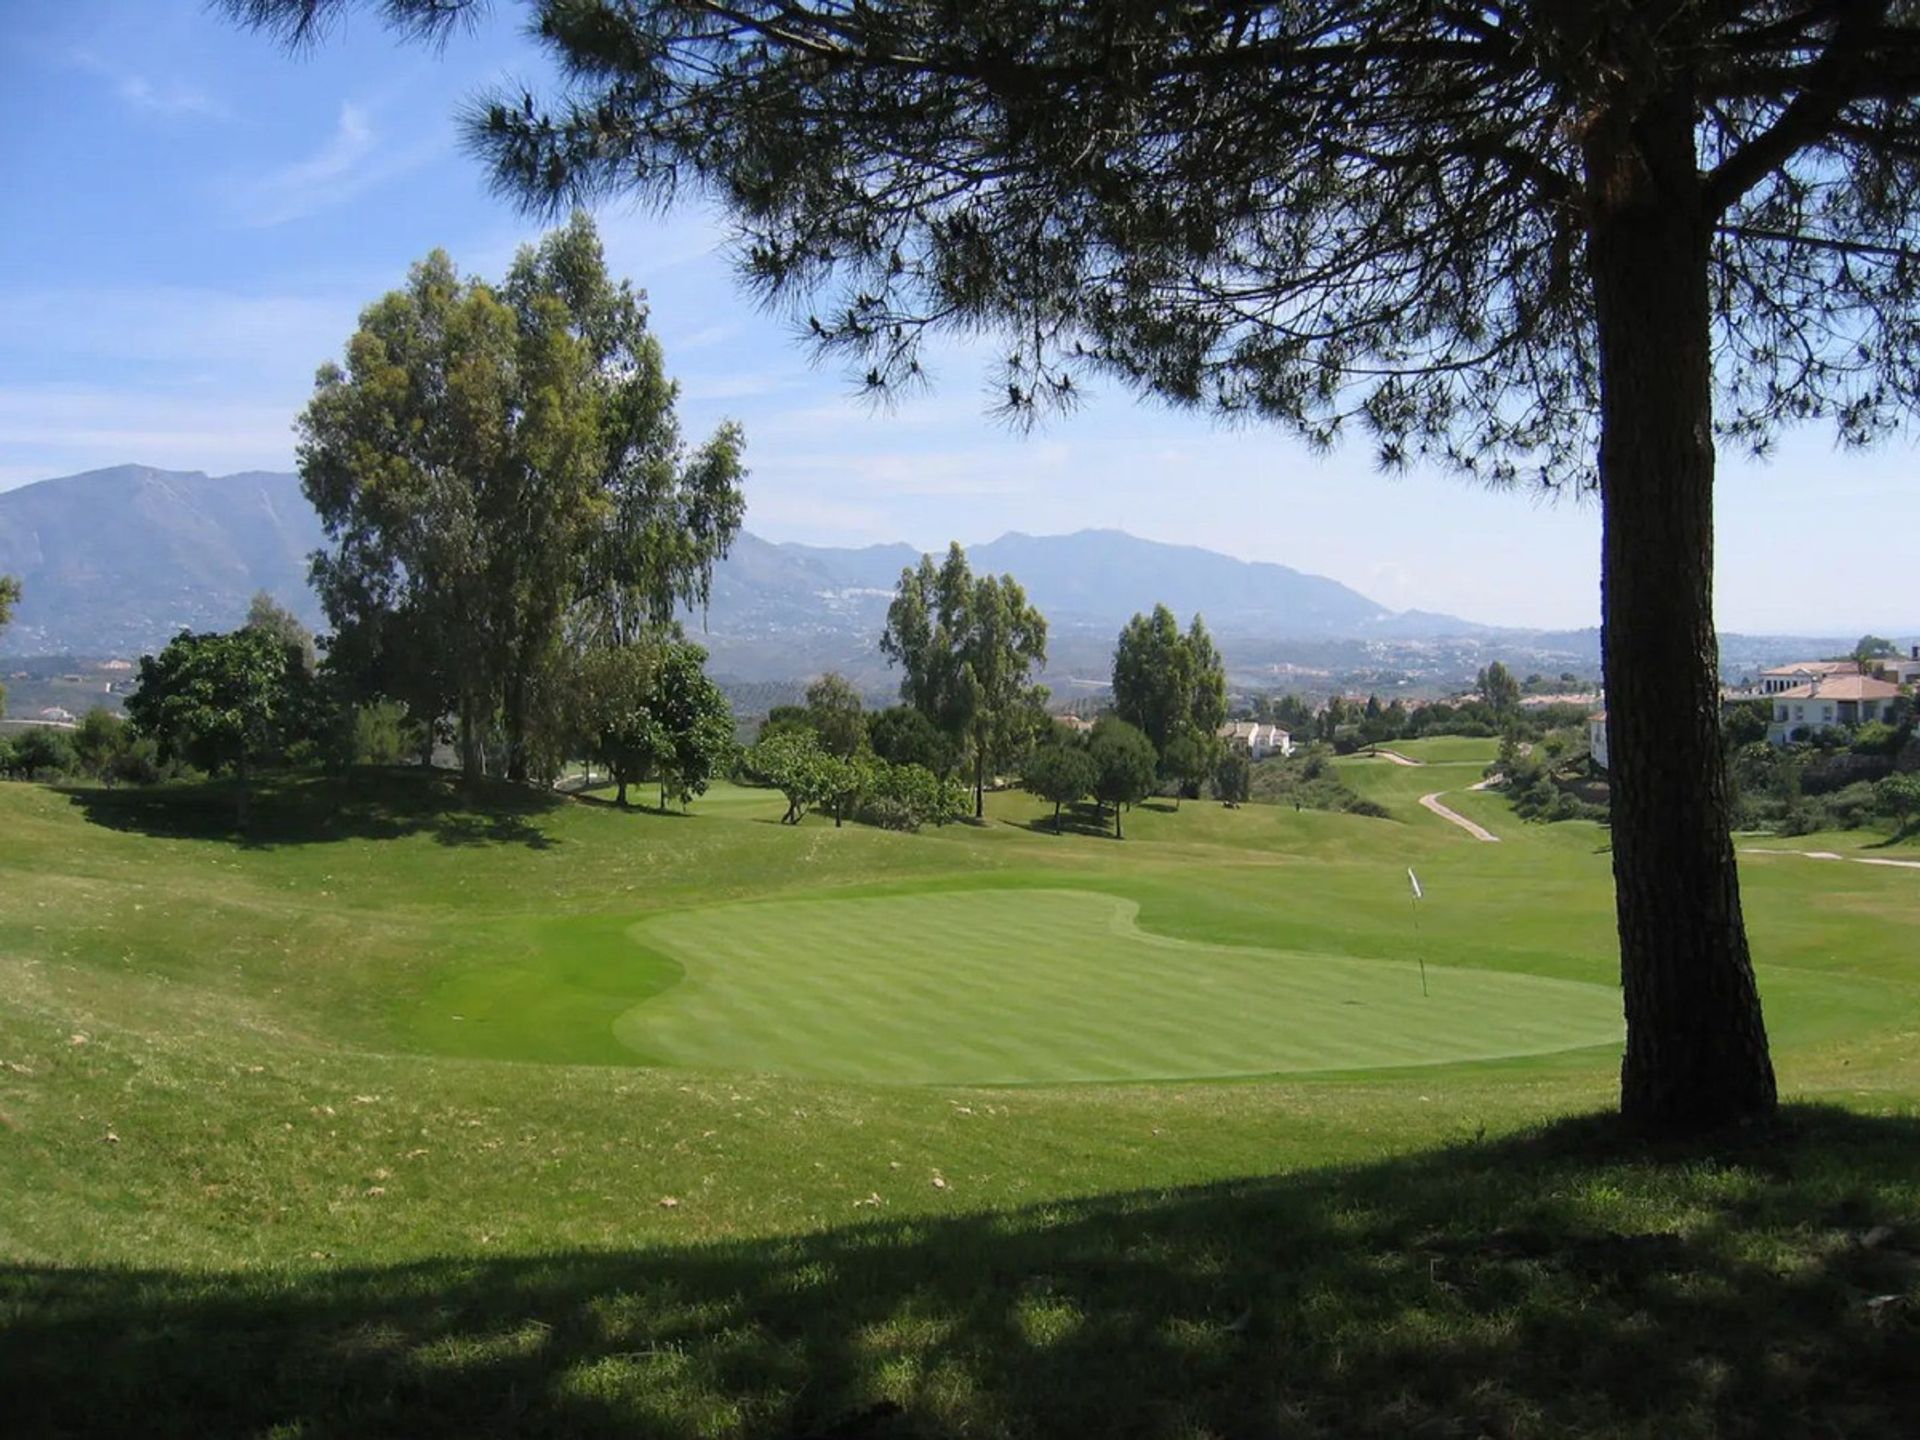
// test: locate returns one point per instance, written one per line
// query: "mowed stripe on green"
(1029, 986)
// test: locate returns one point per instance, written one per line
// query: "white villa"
(1259, 741)
(1829, 701)
(1597, 738)
(1803, 672)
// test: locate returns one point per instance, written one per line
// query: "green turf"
(260, 1181)
(997, 987)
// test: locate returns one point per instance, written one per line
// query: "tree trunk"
(1696, 1052)
(471, 757)
(979, 781)
(1056, 817)
(1116, 821)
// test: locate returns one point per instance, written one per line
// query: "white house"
(1597, 738)
(1803, 672)
(1839, 700)
(1259, 741)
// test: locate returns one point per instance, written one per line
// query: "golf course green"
(404, 1111)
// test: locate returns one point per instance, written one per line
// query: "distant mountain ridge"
(117, 560)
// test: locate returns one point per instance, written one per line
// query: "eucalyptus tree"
(501, 477)
(968, 647)
(1561, 244)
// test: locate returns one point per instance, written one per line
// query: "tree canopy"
(222, 702)
(968, 647)
(1166, 682)
(1124, 766)
(1061, 771)
(501, 479)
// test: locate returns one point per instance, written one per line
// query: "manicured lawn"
(260, 1180)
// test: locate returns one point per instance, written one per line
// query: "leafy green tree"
(693, 720)
(1745, 722)
(99, 739)
(901, 735)
(223, 702)
(1873, 647)
(613, 688)
(1124, 766)
(836, 714)
(268, 614)
(38, 752)
(1499, 689)
(1567, 243)
(1899, 796)
(1187, 760)
(494, 466)
(968, 648)
(795, 765)
(844, 781)
(1060, 771)
(787, 720)
(9, 597)
(1233, 776)
(1165, 681)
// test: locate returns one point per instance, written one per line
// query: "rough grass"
(248, 1191)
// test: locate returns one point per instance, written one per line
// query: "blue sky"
(195, 218)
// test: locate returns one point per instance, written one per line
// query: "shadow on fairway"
(1074, 820)
(306, 809)
(1490, 1289)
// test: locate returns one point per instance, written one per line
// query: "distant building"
(1078, 724)
(1898, 671)
(55, 715)
(1829, 701)
(1597, 738)
(1258, 740)
(1803, 672)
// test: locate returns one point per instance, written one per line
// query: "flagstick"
(1419, 950)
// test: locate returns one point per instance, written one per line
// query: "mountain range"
(115, 561)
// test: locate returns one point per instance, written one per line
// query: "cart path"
(1828, 855)
(1479, 832)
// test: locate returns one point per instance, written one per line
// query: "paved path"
(1479, 832)
(1830, 855)
(1397, 758)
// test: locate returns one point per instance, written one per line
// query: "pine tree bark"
(1696, 1053)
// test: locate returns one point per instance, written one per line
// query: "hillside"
(117, 560)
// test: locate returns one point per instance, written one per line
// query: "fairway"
(1028, 986)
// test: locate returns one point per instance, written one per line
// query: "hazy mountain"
(116, 561)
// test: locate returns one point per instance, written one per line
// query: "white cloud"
(168, 97)
(352, 160)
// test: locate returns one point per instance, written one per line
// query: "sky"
(196, 217)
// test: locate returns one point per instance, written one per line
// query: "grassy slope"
(241, 1192)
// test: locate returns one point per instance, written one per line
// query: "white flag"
(1414, 880)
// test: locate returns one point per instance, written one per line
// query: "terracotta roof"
(1816, 667)
(1840, 687)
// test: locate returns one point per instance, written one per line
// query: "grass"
(259, 1182)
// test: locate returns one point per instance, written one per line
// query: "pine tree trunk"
(979, 781)
(1696, 1043)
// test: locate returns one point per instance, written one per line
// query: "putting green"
(1024, 986)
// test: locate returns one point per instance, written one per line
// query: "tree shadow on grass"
(1075, 819)
(1566, 1282)
(308, 809)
